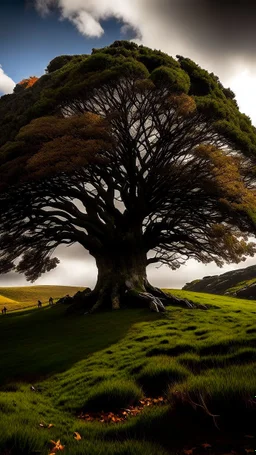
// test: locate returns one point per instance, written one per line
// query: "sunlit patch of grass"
(159, 373)
(18, 298)
(112, 395)
(241, 285)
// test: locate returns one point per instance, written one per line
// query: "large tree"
(138, 157)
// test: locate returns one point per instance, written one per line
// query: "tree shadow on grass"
(37, 344)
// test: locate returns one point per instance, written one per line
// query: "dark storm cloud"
(217, 26)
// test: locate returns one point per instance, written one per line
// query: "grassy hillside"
(202, 363)
(241, 285)
(228, 282)
(17, 298)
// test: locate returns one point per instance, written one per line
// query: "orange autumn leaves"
(52, 145)
(28, 82)
(227, 174)
(57, 446)
(123, 414)
(65, 144)
(25, 84)
(184, 104)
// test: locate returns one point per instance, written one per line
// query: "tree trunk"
(122, 282)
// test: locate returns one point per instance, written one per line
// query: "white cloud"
(243, 84)
(87, 25)
(6, 83)
(156, 24)
(87, 14)
(44, 6)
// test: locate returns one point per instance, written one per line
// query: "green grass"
(241, 285)
(109, 360)
(159, 373)
(112, 395)
(19, 298)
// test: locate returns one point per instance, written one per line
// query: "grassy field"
(203, 363)
(19, 298)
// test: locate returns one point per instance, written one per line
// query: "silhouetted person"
(4, 310)
(50, 301)
(39, 304)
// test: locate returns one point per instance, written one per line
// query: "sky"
(220, 35)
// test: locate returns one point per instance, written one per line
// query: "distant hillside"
(16, 298)
(241, 283)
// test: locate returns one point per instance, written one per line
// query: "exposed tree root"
(170, 299)
(114, 297)
(82, 302)
(144, 299)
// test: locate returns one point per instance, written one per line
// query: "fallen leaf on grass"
(122, 414)
(57, 446)
(50, 425)
(77, 436)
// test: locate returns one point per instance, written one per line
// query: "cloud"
(243, 84)
(6, 83)
(213, 33)
(87, 25)
(44, 6)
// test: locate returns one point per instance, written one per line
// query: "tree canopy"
(136, 155)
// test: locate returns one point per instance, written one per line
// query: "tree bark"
(122, 282)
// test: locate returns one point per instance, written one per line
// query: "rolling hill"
(18, 298)
(239, 283)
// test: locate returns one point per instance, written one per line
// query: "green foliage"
(81, 71)
(174, 79)
(58, 62)
(202, 83)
